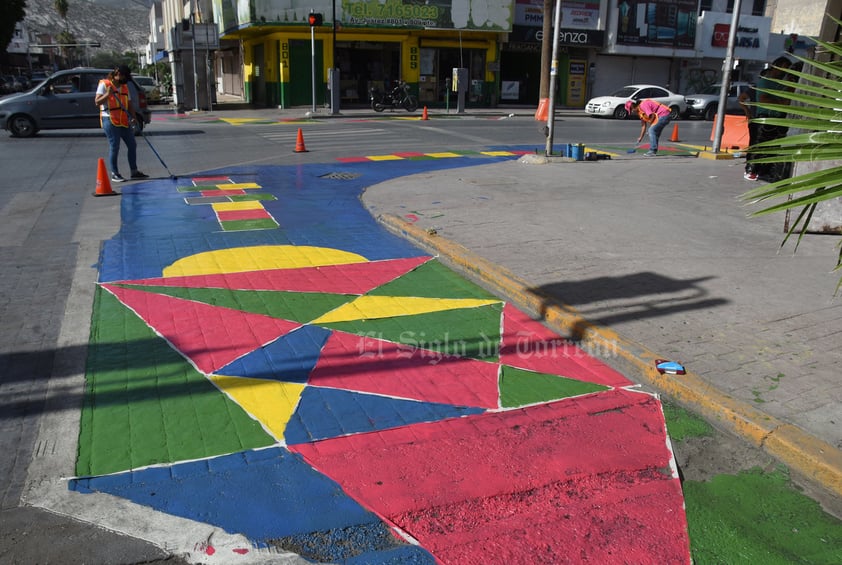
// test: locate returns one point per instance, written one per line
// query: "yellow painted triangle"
(271, 403)
(371, 307)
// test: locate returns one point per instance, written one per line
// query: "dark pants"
(765, 133)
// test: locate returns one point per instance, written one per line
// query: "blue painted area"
(403, 555)
(289, 358)
(367, 544)
(325, 413)
(158, 227)
(262, 495)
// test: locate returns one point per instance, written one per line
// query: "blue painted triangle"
(325, 413)
(286, 499)
(289, 358)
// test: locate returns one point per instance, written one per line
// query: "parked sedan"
(706, 103)
(614, 105)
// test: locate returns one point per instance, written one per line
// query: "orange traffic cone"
(103, 183)
(674, 136)
(299, 143)
(424, 114)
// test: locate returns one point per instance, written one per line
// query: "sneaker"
(750, 176)
(650, 154)
(117, 177)
(139, 175)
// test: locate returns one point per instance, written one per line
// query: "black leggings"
(764, 132)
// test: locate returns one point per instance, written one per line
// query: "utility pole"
(727, 65)
(553, 74)
(195, 69)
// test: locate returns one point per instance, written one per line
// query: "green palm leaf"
(814, 112)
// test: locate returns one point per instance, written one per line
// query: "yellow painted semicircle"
(259, 258)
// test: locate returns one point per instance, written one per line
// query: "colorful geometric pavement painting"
(325, 388)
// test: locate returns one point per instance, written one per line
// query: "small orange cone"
(299, 143)
(674, 136)
(103, 183)
(424, 114)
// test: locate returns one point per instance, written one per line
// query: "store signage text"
(745, 37)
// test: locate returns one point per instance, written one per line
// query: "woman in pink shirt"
(655, 116)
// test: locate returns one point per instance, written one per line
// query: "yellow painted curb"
(815, 459)
(715, 156)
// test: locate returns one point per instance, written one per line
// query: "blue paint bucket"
(577, 152)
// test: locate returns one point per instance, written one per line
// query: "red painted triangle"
(351, 278)
(209, 336)
(365, 364)
(536, 481)
(528, 344)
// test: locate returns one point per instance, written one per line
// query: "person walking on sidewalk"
(117, 116)
(654, 116)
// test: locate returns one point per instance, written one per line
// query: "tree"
(546, 50)
(11, 12)
(816, 113)
(61, 7)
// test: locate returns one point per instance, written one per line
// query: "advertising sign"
(659, 23)
(485, 15)
(575, 14)
(750, 42)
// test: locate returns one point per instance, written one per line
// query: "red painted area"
(239, 551)
(352, 278)
(219, 193)
(528, 344)
(408, 154)
(201, 180)
(366, 364)
(210, 336)
(353, 159)
(230, 215)
(589, 475)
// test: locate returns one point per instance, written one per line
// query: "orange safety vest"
(118, 114)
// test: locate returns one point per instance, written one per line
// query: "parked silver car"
(705, 103)
(65, 100)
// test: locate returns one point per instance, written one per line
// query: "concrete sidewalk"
(645, 259)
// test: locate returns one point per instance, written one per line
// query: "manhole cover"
(341, 176)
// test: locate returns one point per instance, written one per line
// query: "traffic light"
(315, 20)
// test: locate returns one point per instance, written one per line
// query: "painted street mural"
(265, 358)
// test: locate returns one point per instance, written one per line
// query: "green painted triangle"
(295, 306)
(145, 404)
(432, 280)
(467, 332)
(519, 387)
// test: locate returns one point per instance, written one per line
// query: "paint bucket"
(577, 152)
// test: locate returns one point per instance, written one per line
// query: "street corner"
(267, 360)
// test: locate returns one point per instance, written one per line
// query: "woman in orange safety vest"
(117, 117)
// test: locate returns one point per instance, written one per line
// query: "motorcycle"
(398, 97)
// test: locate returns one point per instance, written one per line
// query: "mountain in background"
(118, 25)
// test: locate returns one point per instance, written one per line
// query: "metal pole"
(313, 64)
(553, 74)
(726, 79)
(195, 69)
(334, 76)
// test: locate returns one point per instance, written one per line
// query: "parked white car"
(614, 105)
